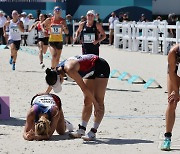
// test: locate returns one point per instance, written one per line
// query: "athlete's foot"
(69, 126)
(78, 133)
(90, 136)
(166, 145)
(13, 66)
(11, 60)
(42, 65)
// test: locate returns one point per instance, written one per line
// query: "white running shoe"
(91, 136)
(78, 133)
(69, 126)
(42, 65)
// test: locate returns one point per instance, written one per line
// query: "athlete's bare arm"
(29, 126)
(101, 31)
(78, 31)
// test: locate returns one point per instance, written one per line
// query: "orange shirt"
(56, 30)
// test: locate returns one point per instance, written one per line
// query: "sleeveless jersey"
(90, 34)
(14, 32)
(56, 30)
(40, 32)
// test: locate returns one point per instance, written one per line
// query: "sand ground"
(134, 120)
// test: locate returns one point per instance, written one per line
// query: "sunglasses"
(57, 9)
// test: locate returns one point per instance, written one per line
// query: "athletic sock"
(168, 135)
(96, 125)
(84, 124)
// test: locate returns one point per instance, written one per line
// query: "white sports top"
(14, 32)
(44, 100)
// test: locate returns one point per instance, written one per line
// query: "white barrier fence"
(147, 35)
(33, 34)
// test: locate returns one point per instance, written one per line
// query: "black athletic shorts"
(102, 69)
(57, 45)
(45, 40)
(16, 43)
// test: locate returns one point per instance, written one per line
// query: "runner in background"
(57, 25)
(15, 28)
(43, 38)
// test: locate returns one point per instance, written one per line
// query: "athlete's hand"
(95, 42)
(30, 135)
(75, 39)
(173, 97)
(5, 35)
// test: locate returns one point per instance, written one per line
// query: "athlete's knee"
(172, 106)
(13, 47)
(87, 101)
(54, 56)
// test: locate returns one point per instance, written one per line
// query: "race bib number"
(45, 101)
(89, 38)
(56, 29)
(14, 30)
(40, 34)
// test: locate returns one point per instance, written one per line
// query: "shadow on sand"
(114, 141)
(13, 122)
(122, 90)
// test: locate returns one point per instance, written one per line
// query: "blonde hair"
(42, 127)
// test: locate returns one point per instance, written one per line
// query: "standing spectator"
(2, 23)
(142, 18)
(69, 23)
(38, 12)
(30, 16)
(83, 18)
(125, 17)
(112, 19)
(25, 21)
(98, 18)
(121, 17)
(159, 18)
(7, 30)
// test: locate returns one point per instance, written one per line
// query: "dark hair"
(51, 76)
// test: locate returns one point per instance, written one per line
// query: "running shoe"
(11, 60)
(90, 136)
(42, 65)
(166, 145)
(69, 126)
(13, 66)
(78, 133)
